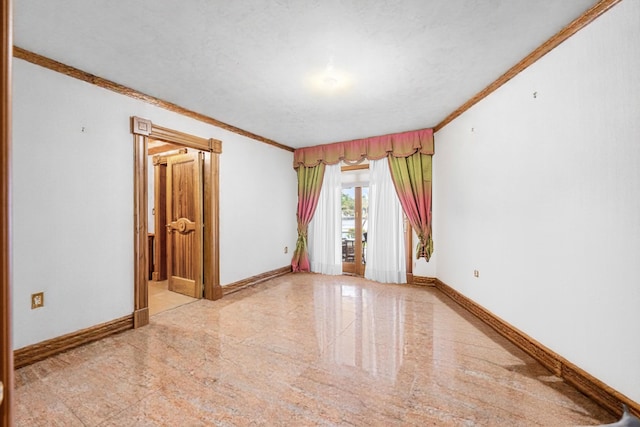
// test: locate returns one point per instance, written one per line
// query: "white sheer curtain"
(323, 238)
(385, 235)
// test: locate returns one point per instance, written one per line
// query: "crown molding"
(76, 73)
(579, 23)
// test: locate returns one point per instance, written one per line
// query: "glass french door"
(355, 207)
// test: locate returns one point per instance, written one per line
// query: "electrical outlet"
(37, 300)
(476, 273)
(286, 249)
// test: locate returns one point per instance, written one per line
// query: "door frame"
(6, 347)
(143, 130)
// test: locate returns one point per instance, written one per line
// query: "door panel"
(160, 217)
(184, 227)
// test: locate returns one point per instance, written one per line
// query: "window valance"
(398, 145)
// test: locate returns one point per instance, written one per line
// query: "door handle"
(182, 226)
(1, 392)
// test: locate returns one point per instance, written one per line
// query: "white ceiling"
(263, 65)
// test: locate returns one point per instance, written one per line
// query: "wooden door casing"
(144, 130)
(184, 224)
(6, 351)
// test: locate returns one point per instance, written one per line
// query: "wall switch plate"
(37, 300)
(286, 249)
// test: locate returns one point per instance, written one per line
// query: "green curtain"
(309, 184)
(412, 179)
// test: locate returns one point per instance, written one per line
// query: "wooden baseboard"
(253, 280)
(601, 393)
(40, 351)
(424, 281)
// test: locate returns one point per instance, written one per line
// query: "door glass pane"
(348, 224)
(352, 235)
(365, 218)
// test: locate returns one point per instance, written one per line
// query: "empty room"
(397, 212)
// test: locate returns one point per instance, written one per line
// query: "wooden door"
(160, 214)
(184, 227)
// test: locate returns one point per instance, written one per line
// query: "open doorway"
(356, 227)
(354, 210)
(355, 205)
(194, 229)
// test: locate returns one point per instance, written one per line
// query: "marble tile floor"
(162, 299)
(301, 350)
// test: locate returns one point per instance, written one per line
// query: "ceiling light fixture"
(330, 80)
